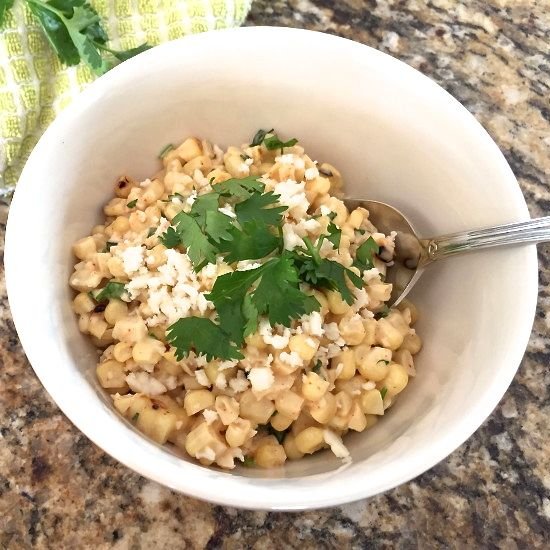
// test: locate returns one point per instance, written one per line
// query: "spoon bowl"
(413, 254)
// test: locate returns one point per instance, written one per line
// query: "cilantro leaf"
(384, 312)
(5, 6)
(317, 368)
(202, 336)
(259, 207)
(111, 290)
(231, 317)
(165, 150)
(251, 315)
(364, 257)
(127, 54)
(273, 142)
(278, 295)
(334, 235)
(239, 188)
(199, 248)
(151, 232)
(171, 238)
(132, 204)
(252, 242)
(383, 392)
(260, 136)
(218, 226)
(280, 436)
(235, 283)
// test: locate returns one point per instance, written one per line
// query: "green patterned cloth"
(34, 86)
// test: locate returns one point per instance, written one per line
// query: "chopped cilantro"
(383, 392)
(135, 417)
(384, 312)
(132, 204)
(334, 235)
(364, 257)
(111, 290)
(198, 246)
(383, 361)
(170, 239)
(151, 231)
(249, 462)
(273, 142)
(259, 137)
(239, 188)
(202, 336)
(245, 157)
(165, 150)
(317, 368)
(260, 208)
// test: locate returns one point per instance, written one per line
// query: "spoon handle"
(532, 231)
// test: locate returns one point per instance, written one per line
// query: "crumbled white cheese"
(291, 239)
(335, 443)
(247, 265)
(313, 324)
(224, 365)
(311, 173)
(325, 210)
(145, 183)
(228, 211)
(261, 378)
(244, 168)
(202, 378)
(291, 359)
(143, 382)
(239, 383)
(332, 332)
(285, 159)
(292, 194)
(275, 340)
(370, 274)
(369, 386)
(210, 416)
(132, 258)
(361, 299)
(191, 198)
(207, 453)
(221, 381)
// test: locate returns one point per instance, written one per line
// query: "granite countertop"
(494, 491)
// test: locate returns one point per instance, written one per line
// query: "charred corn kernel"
(97, 325)
(123, 186)
(412, 343)
(115, 310)
(116, 267)
(280, 421)
(203, 437)
(289, 445)
(84, 280)
(197, 400)
(257, 410)
(373, 362)
(324, 409)
(122, 351)
(310, 440)
(346, 358)
(352, 330)
(270, 455)
(156, 423)
(344, 403)
(304, 346)
(111, 374)
(387, 335)
(238, 432)
(148, 351)
(84, 248)
(313, 386)
(120, 225)
(289, 403)
(130, 329)
(227, 409)
(202, 163)
(357, 420)
(370, 332)
(371, 402)
(396, 380)
(82, 303)
(336, 304)
(189, 149)
(413, 311)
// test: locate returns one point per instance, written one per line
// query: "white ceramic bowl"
(395, 135)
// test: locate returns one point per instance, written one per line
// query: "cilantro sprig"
(74, 30)
(271, 140)
(112, 289)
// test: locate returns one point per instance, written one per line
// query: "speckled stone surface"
(493, 492)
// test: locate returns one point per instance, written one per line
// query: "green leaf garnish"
(249, 462)
(383, 392)
(111, 290)
(364, 257)
(239, 188)
(170, 238)
(383, 361)
(202, 336)
(273, 142)
(334, 235)
(132, 204)
(165, 150)
(135, 417)
(151, 231)
(199, 248)
(108, 245)
(280, 436)
(260, 208)
(317, 368)
(259, 137)
(384, 312)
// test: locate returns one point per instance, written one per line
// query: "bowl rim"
(207, 484)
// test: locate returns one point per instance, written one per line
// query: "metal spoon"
(413, 255)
